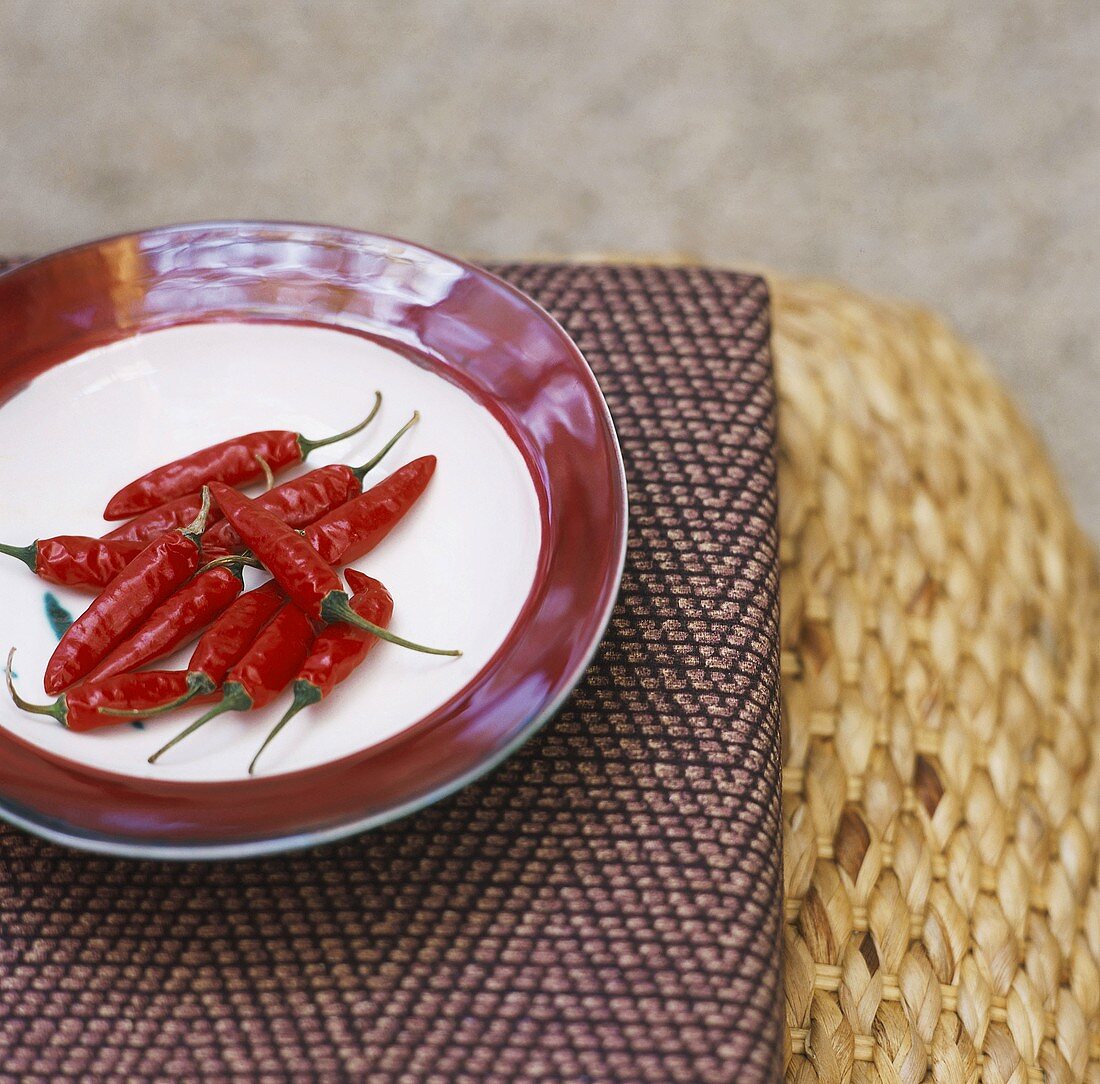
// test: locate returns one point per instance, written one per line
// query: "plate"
(126, 352)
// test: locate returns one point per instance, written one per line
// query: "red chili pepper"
(353, 529)
(337, 651)
(158, 521)
(233, 461)
(76, 561)
(127, 600)
(227, 640)
(356, 527)
(302, 500)
(299, 569)
(265, 669)
(178, 619)
(80, 709)
(222, 645)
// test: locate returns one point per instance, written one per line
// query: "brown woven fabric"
(605, 906)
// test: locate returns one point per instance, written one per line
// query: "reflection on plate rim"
(453, 415)
(297, 841)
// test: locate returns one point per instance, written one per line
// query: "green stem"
(306, 446)
(305, 693)
(198, 684)
(366, 468)
(336, 607)
(27, 554)
(57, 709)
(234, 698)
(194, 529)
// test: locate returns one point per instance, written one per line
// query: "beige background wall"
(945, 152)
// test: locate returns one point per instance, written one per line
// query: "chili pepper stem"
(232, 560)
(306, 446)
(366, 468)
(194, 529)
(233, 699)
(336, 607)
(198, 684)
(305, 693)
(269, 476)
(56, 709)
(27, 554)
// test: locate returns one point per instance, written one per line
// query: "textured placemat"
(604, 906)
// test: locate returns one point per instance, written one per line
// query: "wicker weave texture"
(940, 620)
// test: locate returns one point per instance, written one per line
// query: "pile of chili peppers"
(173, 572)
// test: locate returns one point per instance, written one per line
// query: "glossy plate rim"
(259, 231)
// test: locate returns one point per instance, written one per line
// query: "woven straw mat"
(940, 627)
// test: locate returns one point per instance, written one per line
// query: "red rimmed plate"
(125, 352)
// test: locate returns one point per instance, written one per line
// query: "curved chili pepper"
(298, 568)
(73, 560)
(355, 528)
(80, 709)
(161, 520)
(362, 584)
(232, 461)
(302, 500)
(297, 502)
(337, 651)
(227, 640)
(177, 513)
(126, 601)
(180, 617)
(222, 645)
(264, 670)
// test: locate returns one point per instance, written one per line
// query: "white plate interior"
(459, 566)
